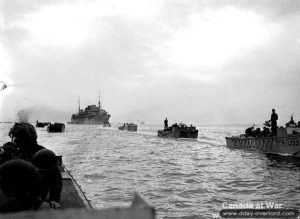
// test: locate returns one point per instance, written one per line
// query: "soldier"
(25, 138)
(273, 120)
(249, 131)
(19, 186)
(51, 178)
(166, 123)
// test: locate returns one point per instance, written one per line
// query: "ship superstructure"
(91, 115)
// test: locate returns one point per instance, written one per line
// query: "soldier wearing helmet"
(24, 137)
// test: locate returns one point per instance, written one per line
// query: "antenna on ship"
(79, 104)
(99, 103)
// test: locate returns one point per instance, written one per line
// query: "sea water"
(179, 177)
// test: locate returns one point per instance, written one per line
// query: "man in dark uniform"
(274, 118)
(166, 123)
(24, 137)
(19, 186)
(249, 131)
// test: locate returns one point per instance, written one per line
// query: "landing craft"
(179, 131)
(286, 142)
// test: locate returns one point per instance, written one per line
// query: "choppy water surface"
(178, 177)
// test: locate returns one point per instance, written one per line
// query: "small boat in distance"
(56, 127)
(106, 124)
(128, 127)
(179, 131)
(41, 124)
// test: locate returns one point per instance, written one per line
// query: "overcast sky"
(195, 61)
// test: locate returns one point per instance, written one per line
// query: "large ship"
(91, 115)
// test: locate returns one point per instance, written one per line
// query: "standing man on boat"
(273, 120)
(166, 123)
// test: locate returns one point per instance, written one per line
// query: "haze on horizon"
(199, 62)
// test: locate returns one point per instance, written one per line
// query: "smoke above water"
(24, 115)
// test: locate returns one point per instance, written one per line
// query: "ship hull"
(280, 145)
(95, 120)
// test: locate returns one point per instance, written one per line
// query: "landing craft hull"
(280, 145)
(128, 127)
(178, 134)
(56, 128)
(106, 125)
(40, 125)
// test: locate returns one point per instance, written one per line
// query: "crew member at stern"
(166, 123)
(273, 120)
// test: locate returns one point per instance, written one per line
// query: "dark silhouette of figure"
(8, 152)
(25, 138)
(249, 131)
(175, 125)
(273, 120)
(19, 186)
(166, 123)
(257, 132)
(51, 178)
(291, 123)
(265, 132)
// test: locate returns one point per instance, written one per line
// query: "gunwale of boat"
(284, 145)
(70, 193)
(261, 137)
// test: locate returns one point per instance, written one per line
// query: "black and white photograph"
(165, 109)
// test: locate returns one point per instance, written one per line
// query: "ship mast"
(79, 104)
(99, 103)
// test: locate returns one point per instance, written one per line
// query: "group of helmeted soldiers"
(30, 178)
(252, 132)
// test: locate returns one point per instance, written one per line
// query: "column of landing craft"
(74, 202)
(287, 141)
